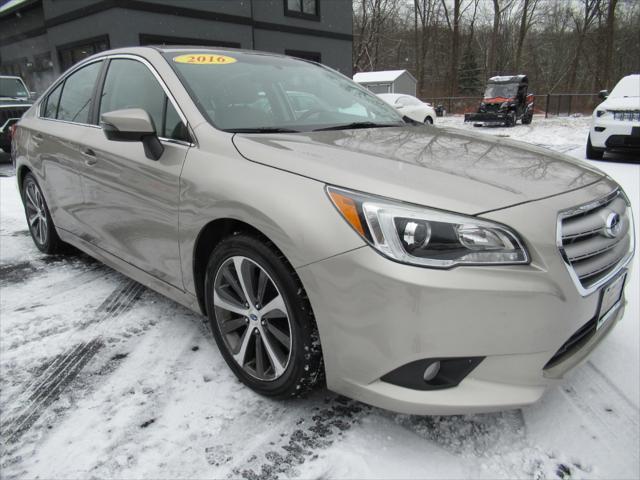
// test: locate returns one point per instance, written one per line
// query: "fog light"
(431, 371)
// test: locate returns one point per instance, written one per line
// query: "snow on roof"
(628, 86)
(507, 78)
(382, 76)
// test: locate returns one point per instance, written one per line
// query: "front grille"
(630, 115)
(491, 107)
(596, 240)
(12, 112)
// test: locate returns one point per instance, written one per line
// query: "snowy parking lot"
(103, 378)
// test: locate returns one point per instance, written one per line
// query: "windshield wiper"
(262, 130)
(353, 125)
(410, 120)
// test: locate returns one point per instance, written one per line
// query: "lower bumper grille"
(575, 342)
(623, 141)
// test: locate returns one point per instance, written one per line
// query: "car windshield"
(504, 91)
(12, 88)
(242, 92)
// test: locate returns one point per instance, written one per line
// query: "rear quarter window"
(77, 94)
(50, 109)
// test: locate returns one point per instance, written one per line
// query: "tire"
(428, 121)
(511, 120)
(41, 226)
(238, 324)
(592, 152)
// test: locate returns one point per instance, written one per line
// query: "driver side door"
(131, 201)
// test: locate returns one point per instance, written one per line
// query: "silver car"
(420, 269)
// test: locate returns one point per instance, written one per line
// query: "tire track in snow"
(64, 368)
(295, 439)
(590, 392)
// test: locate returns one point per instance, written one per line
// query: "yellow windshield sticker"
(204, 59)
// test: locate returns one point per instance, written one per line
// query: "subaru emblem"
(612, 225)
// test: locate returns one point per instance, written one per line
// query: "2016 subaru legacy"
(420, 269)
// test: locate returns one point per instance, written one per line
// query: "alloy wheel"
(253, 318)
(36, 213)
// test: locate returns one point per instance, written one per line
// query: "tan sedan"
(420, 269)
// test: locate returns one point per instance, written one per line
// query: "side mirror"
(603, 94)
(133, 125)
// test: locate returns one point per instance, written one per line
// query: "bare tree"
(424, 14)
(453, 21)
(371, 15)
(582, 25)
(609, 37)
(526, 19)
(498, 11)
(562, 45)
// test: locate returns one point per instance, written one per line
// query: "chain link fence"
(551, 105)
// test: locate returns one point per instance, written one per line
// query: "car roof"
(186, 48)
(148, 50)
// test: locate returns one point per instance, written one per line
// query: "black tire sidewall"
(52, 236)
(593, 153)
(302, 326)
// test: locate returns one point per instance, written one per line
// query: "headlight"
(504, 105)
(426, 237)
(600, 113)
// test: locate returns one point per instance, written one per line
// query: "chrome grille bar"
(596, 240)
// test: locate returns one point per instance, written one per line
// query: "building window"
(16, 68)
(309, 9)
(313, 56)
(72, 53)
(149, 39)
(42, 62)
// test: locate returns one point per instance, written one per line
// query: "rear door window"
(77, 94)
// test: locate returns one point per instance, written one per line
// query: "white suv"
(616, 121)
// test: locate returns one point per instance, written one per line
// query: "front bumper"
(375, 315)
(487, 118)
(5, 138)
(615, 134)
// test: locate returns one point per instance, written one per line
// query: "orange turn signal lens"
(347, 207)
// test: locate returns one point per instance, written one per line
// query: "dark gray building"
(39, 39)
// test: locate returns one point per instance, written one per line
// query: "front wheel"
(511, 119)
(428, 121)
(261, 318)
(43, 231)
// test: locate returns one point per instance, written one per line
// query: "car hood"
(500, 100)
(438, 167)
(624, 103)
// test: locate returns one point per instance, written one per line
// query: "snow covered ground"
(102, 378)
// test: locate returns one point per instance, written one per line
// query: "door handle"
(90, 156)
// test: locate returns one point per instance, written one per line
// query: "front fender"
(293, 211)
